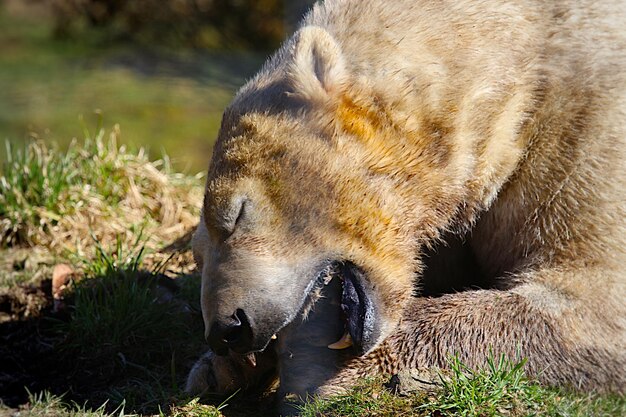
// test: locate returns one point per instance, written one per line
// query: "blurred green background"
(162, 70)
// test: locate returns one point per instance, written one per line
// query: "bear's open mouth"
(344, 285)
(360, 315)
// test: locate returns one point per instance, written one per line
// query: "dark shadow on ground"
(23, 346)
(98, 360)
(40, 352)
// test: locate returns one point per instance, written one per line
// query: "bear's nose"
(232, 332)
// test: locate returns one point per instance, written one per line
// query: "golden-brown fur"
(381, 129)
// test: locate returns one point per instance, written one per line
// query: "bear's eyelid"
(242, 207)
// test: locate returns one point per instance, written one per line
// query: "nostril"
(233, 332)
(237, 326)
(241, 318)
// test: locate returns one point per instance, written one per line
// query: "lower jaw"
(305, 361)
(321, 324)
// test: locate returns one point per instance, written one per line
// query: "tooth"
(251, 359)
(343, 343)
(274, 337)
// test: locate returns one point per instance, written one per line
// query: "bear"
(408, 180)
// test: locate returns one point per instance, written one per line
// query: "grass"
(45, 404)
(498, 389)
(127, 339)
(124, 344)
(115, 307)
(128, 333)
(60, 199)
(370, 398)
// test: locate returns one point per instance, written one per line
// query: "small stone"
(61, 276)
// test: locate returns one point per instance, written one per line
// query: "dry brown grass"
(95, 192)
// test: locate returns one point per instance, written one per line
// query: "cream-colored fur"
(383, 131)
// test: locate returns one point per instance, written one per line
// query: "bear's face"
(253, 270)
(279, 221)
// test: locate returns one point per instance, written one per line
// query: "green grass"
(499, 389)
(130, 336)
(370, 398)
(44, 404)
(170, 100)
(114, 307)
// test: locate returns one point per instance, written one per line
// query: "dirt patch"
(24, 347)
(25, 301)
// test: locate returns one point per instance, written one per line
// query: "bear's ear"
(318, 69)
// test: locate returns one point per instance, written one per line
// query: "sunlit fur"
(380, 126)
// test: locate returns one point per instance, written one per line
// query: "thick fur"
(384, 129)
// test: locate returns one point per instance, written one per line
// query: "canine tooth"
(274, 337)
(343, 343)
(251, 359)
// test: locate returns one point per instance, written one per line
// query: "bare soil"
(26, 343)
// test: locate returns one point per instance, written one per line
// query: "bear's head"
(303, 186)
